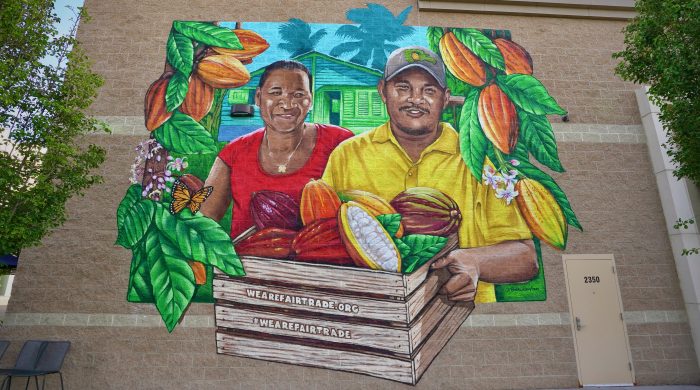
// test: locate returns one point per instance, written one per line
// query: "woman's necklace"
(282, 168)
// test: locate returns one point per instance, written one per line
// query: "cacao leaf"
(182, 134)
(140, 288)
(422, 248)
(529, 94)
(136, 223)
(404, 250)
(472, 141)
(199, 238)
(434, 34)
(532, 172)
(390, 222)
(481, 45)
(180, 53)
(536, 132)
(133, 194)
(176, 91)
(171, 277)
(208, 34)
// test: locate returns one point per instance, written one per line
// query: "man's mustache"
(421, 109)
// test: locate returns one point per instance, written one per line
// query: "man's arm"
(220, 178)
(505, 262)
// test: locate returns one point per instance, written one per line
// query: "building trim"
(590, 9)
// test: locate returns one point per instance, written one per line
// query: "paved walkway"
(665, 387)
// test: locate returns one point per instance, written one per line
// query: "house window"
(368, 103)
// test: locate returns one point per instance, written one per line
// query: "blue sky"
(63, 10)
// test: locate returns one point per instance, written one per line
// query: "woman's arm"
(220, 178)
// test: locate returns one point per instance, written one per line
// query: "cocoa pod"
(318, 201)
(541, 212)
(319, 242)
(271, 242)
(366, 240)
(373, 203)
(200, 272)
(155, 111)
(427, 211)
(274, 209)
(199, 98)
(516, 58)
(461, 62)
(498, 118)
(192, 182)
(222, 71)
(253, 45)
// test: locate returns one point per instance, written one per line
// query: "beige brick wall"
(73, 286)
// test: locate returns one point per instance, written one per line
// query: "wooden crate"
(383, 324)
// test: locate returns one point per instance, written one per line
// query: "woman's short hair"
(286, 65)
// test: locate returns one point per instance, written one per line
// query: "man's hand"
(465, 276)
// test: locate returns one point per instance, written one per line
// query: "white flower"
(490, 177)
(514, 162)
(510, 179)
(508, 193)
(179, 164)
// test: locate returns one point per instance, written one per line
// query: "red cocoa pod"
(199, 98)
(274, 209)
(498, 118)
(271, 242)
(461, 62)
(517, 59)
(318, 201)
(222, 71)
(427, 211)
(253, 45)
(155, 111)
(319, 242)
(192, 182)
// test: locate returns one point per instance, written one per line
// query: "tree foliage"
(663, 51)
(44, 157)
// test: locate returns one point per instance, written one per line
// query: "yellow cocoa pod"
(515, 56)
(199, 98)
(461, 62)
(253, 45)
(222, 71)
(542, 213)
(155, 111)
(498, 118)
(367, 242)
(373, 203)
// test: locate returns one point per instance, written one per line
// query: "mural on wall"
(344, 194)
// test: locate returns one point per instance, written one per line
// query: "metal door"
(600, 336)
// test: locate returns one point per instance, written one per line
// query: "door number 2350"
(591, 279)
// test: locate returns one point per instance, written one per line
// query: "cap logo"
(415, 55)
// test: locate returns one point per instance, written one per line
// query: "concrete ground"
(664, 387)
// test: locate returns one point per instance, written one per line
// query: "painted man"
(415, 149)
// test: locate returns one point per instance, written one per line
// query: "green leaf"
(472, 141)
(180, 53)
(529, 94)
(133, 194)
(422, 248)
(536, 132)
(404, 249)
(176, 91)
(390, 222)
(140, 288)
(182, 134)
(199, 238)
(434, 34)
(136, 223)
(481, 45)
(532, 172)
(171, 276)
(209, 34)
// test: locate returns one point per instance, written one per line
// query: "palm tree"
(371, 38)
(298, 38)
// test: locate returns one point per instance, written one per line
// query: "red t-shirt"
(247, 176)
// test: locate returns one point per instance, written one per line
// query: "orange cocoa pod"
(155, 111)
(253, 45)
(498, 118)
(541, 212)
(222, 71)
(318, 201)
(515, 56)
(198, 100)
(200, 272)
(461, 62)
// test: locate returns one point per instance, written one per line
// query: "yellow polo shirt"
(375, 162)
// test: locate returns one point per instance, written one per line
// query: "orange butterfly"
(183, 197)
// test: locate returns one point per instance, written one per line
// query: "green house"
(345, 94)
